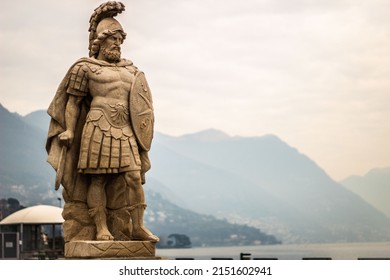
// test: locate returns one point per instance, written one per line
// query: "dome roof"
(40, 214)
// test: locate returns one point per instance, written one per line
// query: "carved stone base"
(110, 250)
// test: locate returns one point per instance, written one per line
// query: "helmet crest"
(103, 19)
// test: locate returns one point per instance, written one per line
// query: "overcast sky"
(316, 73)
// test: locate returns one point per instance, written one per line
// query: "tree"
(9, 206)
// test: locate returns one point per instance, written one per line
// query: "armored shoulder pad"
(92, 67)
(78, 80)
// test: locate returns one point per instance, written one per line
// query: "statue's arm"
(77, 89)
(72, 113)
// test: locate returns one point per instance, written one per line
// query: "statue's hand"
(66, 138)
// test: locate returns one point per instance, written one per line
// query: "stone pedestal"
(110, 250)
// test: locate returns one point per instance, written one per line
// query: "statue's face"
(110, 49)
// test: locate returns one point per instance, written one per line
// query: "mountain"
(258, 182)
(164, 218)
(374, 187)
(38, 119)
(24, 173)
(22, 150)
(26, 176)
(265, 182)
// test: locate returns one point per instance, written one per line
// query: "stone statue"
(98, 141)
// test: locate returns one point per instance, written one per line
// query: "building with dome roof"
(33, 232)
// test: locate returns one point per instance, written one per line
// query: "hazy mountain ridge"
(24, 172)
(163, 217)
(38, 119)
(22, 151)
(290, 188)
(259, 181)
(374, 187)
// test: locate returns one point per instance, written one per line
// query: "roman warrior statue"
(99, 137)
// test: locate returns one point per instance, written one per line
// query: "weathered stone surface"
(99, 153)
(110, 249)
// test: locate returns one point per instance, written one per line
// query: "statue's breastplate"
(115, 111)
(110, 87)
(110, 81)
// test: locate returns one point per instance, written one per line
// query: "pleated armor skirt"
(107, 149)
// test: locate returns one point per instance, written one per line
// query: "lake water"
(342, 251)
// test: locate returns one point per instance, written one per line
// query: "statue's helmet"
(108, 24)
(102, 24)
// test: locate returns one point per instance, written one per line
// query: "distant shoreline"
(334, 251)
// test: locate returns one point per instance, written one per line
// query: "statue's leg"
(97, 201)
(137, 207)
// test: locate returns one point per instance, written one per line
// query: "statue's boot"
(140, 232)
(99, 215)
